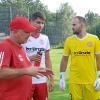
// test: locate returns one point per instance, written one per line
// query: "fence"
(54, 29)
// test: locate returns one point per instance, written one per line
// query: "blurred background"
(58, 16)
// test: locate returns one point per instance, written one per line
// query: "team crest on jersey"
(20, 57)
(89, 44)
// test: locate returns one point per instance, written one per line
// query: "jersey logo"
(89, 44)
(1, 58)
(33, 49)
(82, 53)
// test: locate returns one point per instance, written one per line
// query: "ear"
(82, 25)
(14, 31)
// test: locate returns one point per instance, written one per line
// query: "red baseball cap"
(21, 23)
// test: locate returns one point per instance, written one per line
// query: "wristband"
(61, 75)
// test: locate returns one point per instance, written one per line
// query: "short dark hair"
(81, 19)
(37, 15)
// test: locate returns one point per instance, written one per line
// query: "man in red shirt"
(15, 68)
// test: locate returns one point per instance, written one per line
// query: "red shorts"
(40, 91)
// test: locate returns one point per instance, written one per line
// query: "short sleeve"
(47, 43)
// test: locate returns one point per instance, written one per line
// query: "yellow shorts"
(83, 92)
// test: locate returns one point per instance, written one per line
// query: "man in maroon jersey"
(16, 70)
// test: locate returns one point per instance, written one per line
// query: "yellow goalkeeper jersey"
(83, 63)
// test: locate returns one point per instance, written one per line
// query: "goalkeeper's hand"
(97, 81)
(62, 81)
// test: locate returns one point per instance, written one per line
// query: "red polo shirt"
(19, 88)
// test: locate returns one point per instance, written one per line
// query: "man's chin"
(76, 33)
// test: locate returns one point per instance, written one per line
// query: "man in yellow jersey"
(84, 49)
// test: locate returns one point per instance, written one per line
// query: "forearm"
(48, 64)
(98, 67)
(97, 81)
(9, 73)
(63, 64)
(98, 62)
(51, 80)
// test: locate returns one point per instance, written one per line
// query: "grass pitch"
(56, 55)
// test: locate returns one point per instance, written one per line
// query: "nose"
(41, 24)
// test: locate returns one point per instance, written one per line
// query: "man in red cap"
(16, 70)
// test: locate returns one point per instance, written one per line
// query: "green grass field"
(56, 55)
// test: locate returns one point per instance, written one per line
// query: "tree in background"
(11, 8)
(93, 23)
(64, 15)
(91, 18)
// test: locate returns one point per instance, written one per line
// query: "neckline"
(83, 37)
(14, 43)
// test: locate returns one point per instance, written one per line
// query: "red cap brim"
(30, 28)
